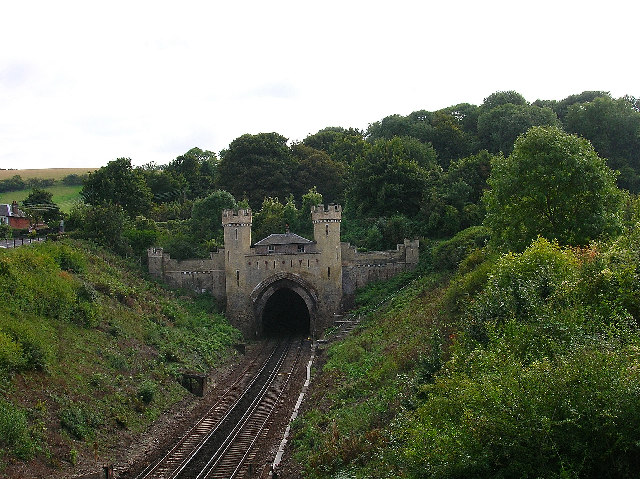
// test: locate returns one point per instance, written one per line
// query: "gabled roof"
(287, 238)
(5, 210)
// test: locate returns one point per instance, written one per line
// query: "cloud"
(16, 74)
(278, 90)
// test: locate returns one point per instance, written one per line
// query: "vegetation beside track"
(90, 350)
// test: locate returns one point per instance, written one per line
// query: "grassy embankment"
(64, 196)
(512, 366)
(90, 350)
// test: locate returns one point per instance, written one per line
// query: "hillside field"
(63, 196)
(55, 173)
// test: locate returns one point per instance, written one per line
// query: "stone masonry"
(243, 276)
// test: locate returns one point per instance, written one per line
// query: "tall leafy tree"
(270, 219)
(453, 202)
(499, 127)
(40, 206)
(554, 185)
(120, 184)
(197, 170)
(316, 168)
(206, 214)
(499, 98)
(562, 107)
(256, 167)
(613, 128)
(391, 177)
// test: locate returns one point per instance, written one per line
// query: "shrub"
(490, 416)
(528, 286)
(147, 391)
(5, 231)
(79, 422)
(14, 430)
(11, 357)
(68, 259)
(448, 254)
(32, 340)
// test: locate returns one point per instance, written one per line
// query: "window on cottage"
(326, 230)
(271, 248)
(300, 248)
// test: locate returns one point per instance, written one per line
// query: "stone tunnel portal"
(285, 313)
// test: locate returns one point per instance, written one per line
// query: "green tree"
(499, 127)
(118, 184)
(310, 199)
(196, 170)
(562, 107)
(613, 128)
(417, 125)
(449, 138)
(270, 219)
(500, 98)
(105, 224)
(553, 185)
(453, 201)
(256, 167)
(391, 178)
(206, 215)
(40, 206)
(317, 169)
(166, 186)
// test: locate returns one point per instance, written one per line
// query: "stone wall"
(193, 274)
(362, 268)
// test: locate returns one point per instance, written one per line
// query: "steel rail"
(207, 422)
(189, 462)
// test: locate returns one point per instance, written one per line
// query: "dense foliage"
(88, 349)
(534, 374)
(553, 185)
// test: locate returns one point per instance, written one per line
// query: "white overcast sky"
(85, 82)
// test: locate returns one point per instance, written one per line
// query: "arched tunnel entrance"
(285, 313)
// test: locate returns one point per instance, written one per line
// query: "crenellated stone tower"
(237, 245)
(326, 233)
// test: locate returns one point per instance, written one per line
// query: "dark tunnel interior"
(285, 314)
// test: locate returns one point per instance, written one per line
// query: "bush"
(32, 341)
(5, 231)
(79, 422)
(489, 416)
(11, 356)
(529, 286)
(448, 254)
(147, 391)
(15, 433)
(68, 259)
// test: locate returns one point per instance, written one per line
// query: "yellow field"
(55, 173)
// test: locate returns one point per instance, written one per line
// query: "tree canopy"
(120, 184)
(553, 185)
(256, 167)
(391, 177)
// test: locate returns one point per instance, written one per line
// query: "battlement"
(328, 213)
(240, 217)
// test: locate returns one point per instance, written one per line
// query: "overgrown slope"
(524, 365)
(89, 349)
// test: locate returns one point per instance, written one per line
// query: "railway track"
(222, 443)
